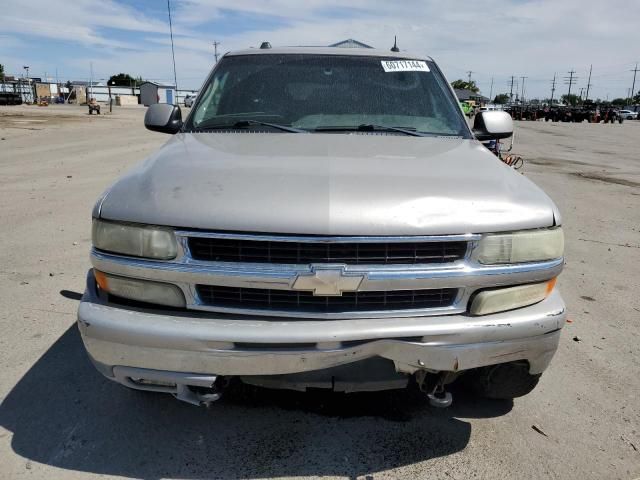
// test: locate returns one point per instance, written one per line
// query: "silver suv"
(324, 218)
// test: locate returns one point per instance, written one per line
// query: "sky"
(495, 39)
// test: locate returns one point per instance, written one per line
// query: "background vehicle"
(358, 239)
(627, 114)
(189, 99)
(467, 108)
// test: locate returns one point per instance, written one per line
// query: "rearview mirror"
(492, 125)
(162, 117)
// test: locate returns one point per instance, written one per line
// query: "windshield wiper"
(368, 127)
(248, 123)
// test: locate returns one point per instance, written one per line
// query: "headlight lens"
(525, 246)
(502, 299)
(140, 290)
(137, 241)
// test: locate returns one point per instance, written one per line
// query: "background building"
(151, 93)
(466, 95)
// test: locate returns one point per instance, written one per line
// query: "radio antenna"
(395, 44)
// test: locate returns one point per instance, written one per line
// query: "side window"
(211, 99)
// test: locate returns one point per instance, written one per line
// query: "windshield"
(328, 93)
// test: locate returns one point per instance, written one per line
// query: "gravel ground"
(60, 419)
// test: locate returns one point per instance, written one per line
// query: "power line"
(173, 54)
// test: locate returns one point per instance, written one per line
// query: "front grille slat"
(261, 251)
(306, 302)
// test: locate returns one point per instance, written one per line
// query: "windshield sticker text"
(405, 66)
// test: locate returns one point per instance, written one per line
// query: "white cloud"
(493, 38)
(78, 21)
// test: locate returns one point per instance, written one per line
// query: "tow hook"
(438, 397)
(197, 395)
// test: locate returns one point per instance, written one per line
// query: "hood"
(327, 184)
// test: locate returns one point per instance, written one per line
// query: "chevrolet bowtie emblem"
(328, 280)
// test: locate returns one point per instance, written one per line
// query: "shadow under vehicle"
(62, 414)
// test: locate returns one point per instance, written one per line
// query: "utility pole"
(511, 90)
(633, 88)
(90, 83)
(57, 84)
(491, 91)
(570, 80)
(173, 53)
(553, 89)
(215, 49)
(469, 72)
(110, 98)
(589, 83)
(22, 94)
(522, 94)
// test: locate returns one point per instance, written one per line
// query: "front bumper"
(231, 345)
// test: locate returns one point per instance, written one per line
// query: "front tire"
(503, 381)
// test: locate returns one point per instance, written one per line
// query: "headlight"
(502, 299)
(524, 246)
(140, 290)
(134, 240)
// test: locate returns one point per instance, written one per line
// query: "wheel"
(503, 381)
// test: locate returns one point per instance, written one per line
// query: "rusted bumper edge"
(228, 345)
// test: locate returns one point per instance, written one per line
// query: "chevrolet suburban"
(324, 218)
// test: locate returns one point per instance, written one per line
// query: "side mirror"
(162, 117)
(492, 125)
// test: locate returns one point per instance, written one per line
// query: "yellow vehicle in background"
(468, 107)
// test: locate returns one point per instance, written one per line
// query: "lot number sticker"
(405, 66)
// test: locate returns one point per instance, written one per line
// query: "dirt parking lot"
(60, 419)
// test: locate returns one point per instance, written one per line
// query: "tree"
(464, 85)
(501, 99)
(619, 101)
(572, 99)
(1, 73)
(124, 80)
(636, 99)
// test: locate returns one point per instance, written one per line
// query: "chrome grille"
(465, 276)
(307, 252)
(306, 302)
